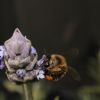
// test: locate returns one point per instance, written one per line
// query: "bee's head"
(47, 62)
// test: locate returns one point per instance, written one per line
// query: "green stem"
(27, 89)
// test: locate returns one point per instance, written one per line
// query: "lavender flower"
(33, 51)
(1, 52)
(40, 68)
(20, 58)
(41, 61)
(2, 65)
(21, 73)
(40, 75)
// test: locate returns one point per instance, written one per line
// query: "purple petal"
(2, 65)
(44, 57)
(1, 52)
(21, 72)
(33, 51)
(40, 75)
(41, 61)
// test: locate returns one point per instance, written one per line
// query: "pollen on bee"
(47, 77)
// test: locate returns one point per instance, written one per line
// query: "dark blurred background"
(67, 27)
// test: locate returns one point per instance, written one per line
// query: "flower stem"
(27, 89)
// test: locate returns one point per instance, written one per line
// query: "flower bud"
(21, 72)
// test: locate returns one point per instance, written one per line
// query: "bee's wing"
(74, 74)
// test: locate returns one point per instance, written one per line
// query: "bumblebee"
(55, 67)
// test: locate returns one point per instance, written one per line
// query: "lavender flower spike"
(20, 58)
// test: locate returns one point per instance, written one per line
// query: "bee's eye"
(58, 60)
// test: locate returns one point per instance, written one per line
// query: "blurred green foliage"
(92, 92)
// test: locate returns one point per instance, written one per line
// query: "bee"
(56, 68)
